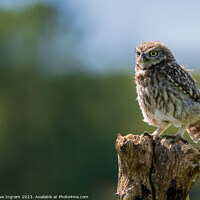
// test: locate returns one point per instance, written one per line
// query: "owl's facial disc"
(149, 58)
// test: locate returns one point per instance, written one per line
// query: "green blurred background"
(58, 125)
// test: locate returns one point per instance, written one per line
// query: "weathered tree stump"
(155, 169)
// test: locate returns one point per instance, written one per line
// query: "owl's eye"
(153, 53)
(138, 53)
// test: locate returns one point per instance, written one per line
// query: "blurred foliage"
(57, 133)
(21, 32)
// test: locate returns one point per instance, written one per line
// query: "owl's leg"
(179, 135)
(161, 128)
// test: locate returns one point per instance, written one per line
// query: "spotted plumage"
(167, 93)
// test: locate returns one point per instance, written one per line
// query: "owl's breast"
(146, 90)
(157, 97)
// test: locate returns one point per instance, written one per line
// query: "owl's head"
(150, 53)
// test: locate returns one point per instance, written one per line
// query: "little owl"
(167, 93)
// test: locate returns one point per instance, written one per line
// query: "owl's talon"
(151, 136)
(182, 139)
(147, 134)
(169, 136)
(156, 137)
(175, 138)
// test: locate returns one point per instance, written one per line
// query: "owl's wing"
(180, 77)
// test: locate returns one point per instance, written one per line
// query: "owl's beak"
(144, 59)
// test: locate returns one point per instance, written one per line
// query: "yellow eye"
(153, 53)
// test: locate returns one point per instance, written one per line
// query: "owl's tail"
(194, 131)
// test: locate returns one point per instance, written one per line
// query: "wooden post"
(155, 169)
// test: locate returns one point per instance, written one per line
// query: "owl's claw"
(175, 138)
(156, 137)
(148, 134)
(151, 136)
(169, 136)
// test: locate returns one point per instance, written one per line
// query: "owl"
(167, 93)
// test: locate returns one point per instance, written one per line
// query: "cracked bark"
(155, 169)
